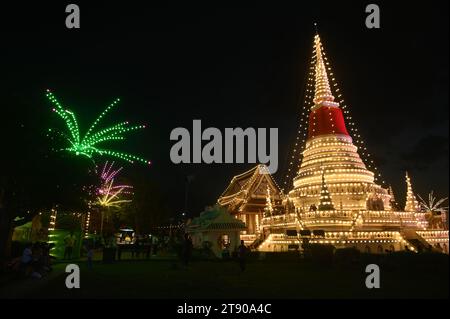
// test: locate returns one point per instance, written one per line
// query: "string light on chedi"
(90, 143)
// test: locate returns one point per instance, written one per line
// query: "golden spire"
(412, 205)
(391, 192)
(322, 94)
(393, 201)
(269, 207)
(325, 202)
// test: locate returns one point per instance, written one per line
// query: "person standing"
(154, 245)
(136, 247)
(119, 251)
(90, 256)
(187, 249)
(69, 241)
(242, 254)
(149, 247)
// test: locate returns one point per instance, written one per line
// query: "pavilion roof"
(215, 218)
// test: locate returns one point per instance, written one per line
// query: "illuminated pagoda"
(336, 195)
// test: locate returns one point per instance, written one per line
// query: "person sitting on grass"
(26, 259)
(37, 262)
(46, 258)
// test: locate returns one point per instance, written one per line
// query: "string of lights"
(88, 145)
(296, 155)
(109, 194)
(355, 133)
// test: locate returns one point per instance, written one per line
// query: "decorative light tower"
(109, 194)
(329, 147)
(92, 142)
(87, 223)
(52, 224)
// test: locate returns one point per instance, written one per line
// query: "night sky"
(229, 67)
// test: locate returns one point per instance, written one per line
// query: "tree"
(33, 178)
(149, 207)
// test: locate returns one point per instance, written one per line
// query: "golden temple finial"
(322, 94)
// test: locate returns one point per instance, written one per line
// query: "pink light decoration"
(108, 173)
(109, 194)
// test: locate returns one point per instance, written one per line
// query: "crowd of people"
(36, 261)
(143, 246)
(182, 245)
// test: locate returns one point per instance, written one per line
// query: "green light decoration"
(88, 145)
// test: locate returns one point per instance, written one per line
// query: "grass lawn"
(262, 279)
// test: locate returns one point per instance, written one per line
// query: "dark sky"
(233, 67)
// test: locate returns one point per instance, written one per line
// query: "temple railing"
(346, 218)
(433, 233)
